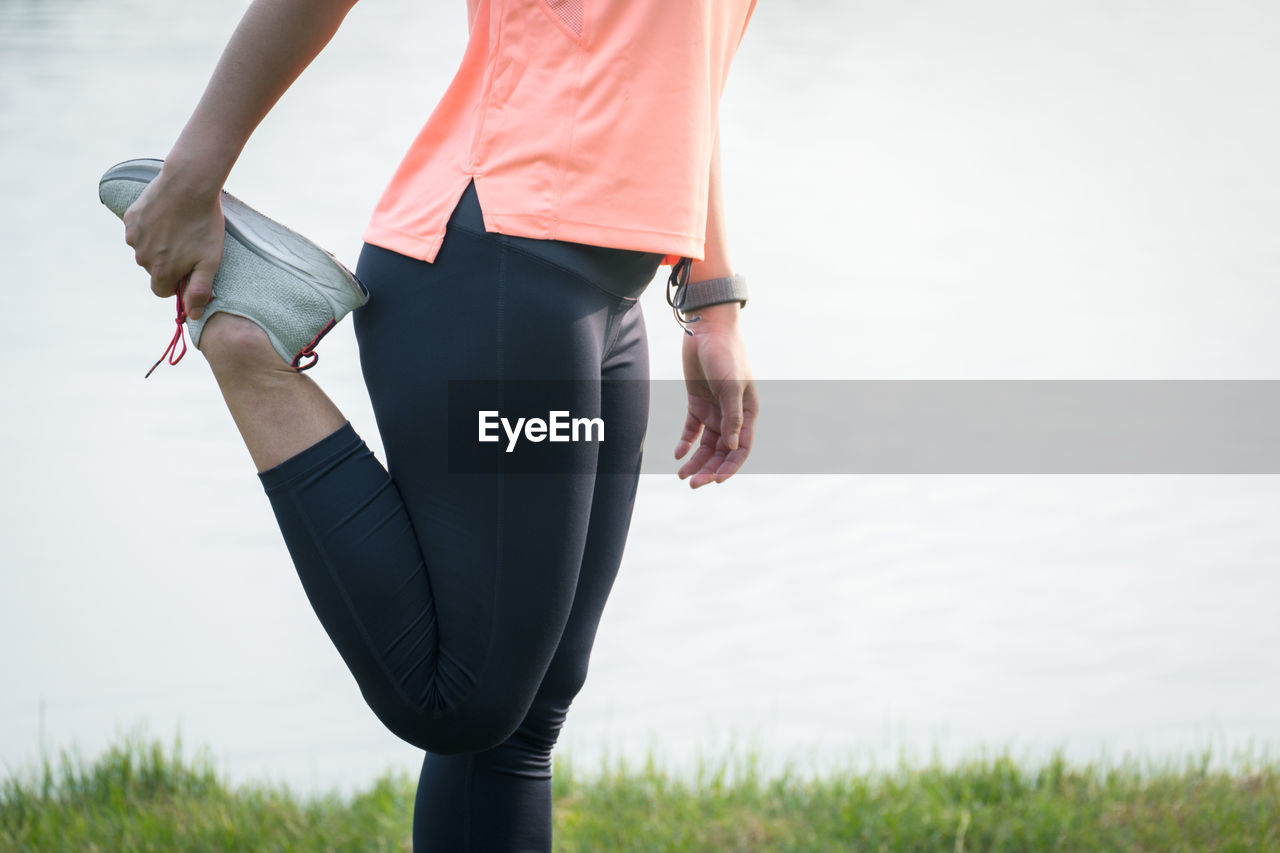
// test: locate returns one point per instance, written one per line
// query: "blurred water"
(992, 189)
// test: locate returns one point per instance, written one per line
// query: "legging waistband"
(623, 273)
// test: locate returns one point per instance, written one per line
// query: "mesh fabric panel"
(569, 11)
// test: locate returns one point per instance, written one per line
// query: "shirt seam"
(435, 237)
(565, 157)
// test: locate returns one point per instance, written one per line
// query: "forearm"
(274, 42)
(715, 262)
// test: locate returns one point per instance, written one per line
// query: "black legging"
(466, 604)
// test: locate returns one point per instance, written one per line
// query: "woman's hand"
(176, 225)
(176, 231)
(722, 397)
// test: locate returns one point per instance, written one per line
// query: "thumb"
(731, 409)
(198, 292)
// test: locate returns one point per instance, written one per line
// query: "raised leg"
(279, 411)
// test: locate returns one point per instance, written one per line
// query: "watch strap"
(713, 291)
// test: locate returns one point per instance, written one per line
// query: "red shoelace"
(174, 355)
(172, 352)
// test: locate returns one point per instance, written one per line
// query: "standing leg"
(500, 799)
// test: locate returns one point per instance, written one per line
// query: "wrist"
(713, 318)
(199, 171)
(717, 267)
(714, 302)
(696, 294)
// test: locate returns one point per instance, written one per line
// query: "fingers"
(165, 282)
(178, 240)
(162, 283)
(692, 426)
(741, 447)
(701, 469)
(703, 459)
(716, 461)
(736, 457)
(199, 292)
(730, 397)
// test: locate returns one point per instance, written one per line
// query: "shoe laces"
(171, 352)
(309, 351)
(304, 360)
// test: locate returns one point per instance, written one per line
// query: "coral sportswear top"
(591, 121)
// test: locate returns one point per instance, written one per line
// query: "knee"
(531, 732)
(537, 734)
(466, 728)
(485, 714)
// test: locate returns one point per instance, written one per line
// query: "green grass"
(141, 795)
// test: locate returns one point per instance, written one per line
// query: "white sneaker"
(271, 275)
